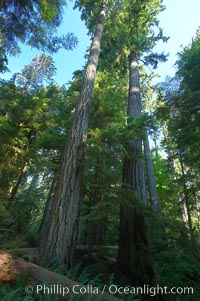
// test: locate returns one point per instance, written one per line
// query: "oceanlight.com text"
(59, 289)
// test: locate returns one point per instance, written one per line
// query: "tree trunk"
(186, 198)
(134, 256)
(182, 206)
(154, 199)
(32, 186)
(48, 209)
(96, 229)
(181, 197)
(14, 188)
(60, 237)
(198, 212)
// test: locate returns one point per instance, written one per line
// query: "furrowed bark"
(60, 238)
(134, 256)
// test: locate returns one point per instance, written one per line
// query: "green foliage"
(167, 191)
(35, 74)
(178, 113)
(33, 23)
(182, 103)
(82, 274)
(129, 25)
(33, 125)
(188, 65)
(32, 237)
(103, 156)
(3, 61)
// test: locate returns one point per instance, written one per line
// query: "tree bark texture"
(59, 241)
(154, 199)
(48, 209)
(134, 256)
(133, 170)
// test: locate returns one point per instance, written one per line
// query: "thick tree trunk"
(134, 256)
(60, 237)
(154, 199)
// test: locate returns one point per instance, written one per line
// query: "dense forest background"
(100, 178)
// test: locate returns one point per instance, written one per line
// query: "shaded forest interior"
(99, 178)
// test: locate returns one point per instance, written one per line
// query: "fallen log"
(53, 283)
(32, 254)
(21, 252)
(35, 251)
(96, 248)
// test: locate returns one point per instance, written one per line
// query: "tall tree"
(129, 33)
(61, 235)
(134, 255)
(134, 38)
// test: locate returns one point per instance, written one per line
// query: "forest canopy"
(33, 23)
